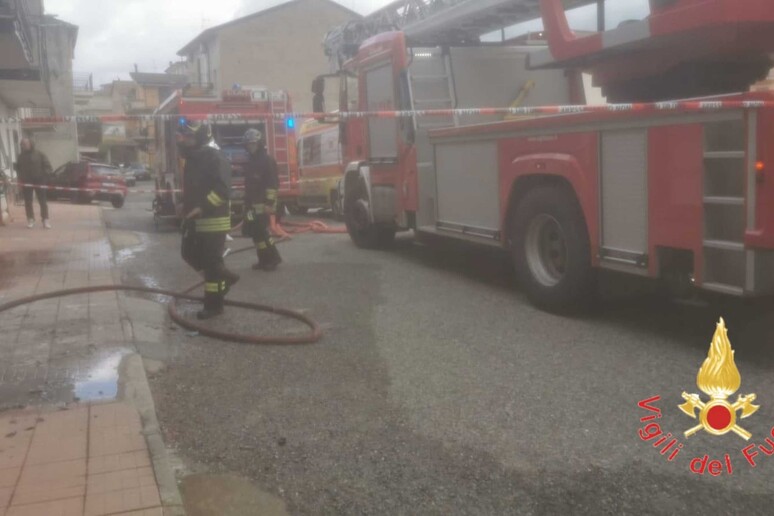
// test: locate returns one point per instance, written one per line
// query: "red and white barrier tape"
(686, 106)
(104, 190)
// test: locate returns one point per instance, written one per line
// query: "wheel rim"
(546, 250)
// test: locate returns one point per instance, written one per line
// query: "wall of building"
(281, 49)
(35, 7)
(150, 95)
(215, 65)
(52, 42)
(60, 144)
(59, 40)
(205, 63)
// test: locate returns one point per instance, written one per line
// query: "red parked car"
(95, 181)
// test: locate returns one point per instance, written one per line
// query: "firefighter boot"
(273, 258)
(261, 251)
(213, 305)
(268, 257)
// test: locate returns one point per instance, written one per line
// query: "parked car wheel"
(551, 250)
(117, 201)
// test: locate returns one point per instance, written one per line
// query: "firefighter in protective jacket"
(261, 187)
(207, 212)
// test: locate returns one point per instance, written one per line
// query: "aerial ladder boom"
(684, 48)
(433, 23)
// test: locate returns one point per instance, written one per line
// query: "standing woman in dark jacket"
(34, 168)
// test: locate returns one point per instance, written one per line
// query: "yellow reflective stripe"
(223, 225)
(215, 221)
(271, 195)
(224, 229)
(212, 288)
(259, 207)
(214, 225)
(215, 199)
(262, 246)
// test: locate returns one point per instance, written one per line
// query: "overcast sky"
(114, 35)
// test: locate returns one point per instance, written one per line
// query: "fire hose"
(313, 336)
(296, 228)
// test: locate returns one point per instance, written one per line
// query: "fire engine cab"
(683, 193)
(256, 108)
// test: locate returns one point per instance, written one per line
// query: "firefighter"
(207, 211)
(261, 185)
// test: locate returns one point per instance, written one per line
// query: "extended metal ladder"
(278, 132)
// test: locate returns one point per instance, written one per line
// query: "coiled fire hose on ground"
(313, 336)
(296, 228)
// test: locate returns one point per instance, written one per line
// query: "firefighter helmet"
(201, 131)
(253, 136)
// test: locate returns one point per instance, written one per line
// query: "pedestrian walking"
(261, 188)
(207, 209)
(33, 170)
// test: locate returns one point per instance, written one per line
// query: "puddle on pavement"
(151, 282)
(127, 245)
(101, 380)
(227, 495)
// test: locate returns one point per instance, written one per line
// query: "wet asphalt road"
(437, 389)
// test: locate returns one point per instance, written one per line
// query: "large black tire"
(362, 232)
(551, 250)
(117, 201)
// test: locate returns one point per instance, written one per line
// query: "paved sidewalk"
(78, 430)
(90, 460)
(52, 350)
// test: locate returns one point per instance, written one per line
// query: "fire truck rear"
(256, 109)
(679, 191)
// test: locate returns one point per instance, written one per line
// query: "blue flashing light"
(291, 123)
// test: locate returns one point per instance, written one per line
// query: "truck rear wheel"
(551, 250)
(362, 231)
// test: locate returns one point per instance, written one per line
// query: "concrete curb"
(135, 390)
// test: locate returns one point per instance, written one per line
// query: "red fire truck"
(683, 195)
(279, 134)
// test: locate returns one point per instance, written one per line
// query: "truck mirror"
(318, 88)
(318, 104)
